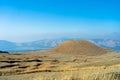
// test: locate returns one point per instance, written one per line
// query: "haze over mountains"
(50, 43)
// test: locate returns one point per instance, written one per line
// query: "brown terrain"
(71, 60)
(79, 47)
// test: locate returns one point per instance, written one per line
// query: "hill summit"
(79, 47)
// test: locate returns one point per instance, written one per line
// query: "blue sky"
(28, 20)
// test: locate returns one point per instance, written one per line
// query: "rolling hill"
(79, 47)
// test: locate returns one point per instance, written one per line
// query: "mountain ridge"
(50, 43)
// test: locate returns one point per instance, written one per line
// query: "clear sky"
(27, 20)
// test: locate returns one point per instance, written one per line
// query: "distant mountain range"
(107, 43)
(50, 43)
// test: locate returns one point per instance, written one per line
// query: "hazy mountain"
(38, 45)
(108, 43)
(29, 46)
(50, 43)
(7, 46)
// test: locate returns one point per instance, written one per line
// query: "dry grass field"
(45, 65)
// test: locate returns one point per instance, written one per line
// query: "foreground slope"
(45, 66)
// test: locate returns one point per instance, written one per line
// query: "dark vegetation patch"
(10, 61)
(23, 66)
(35, 60)
(38, 64)
(9, 65)
(14, 61)
(4, 52)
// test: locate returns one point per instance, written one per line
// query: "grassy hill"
(79, 47)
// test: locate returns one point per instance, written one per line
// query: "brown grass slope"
(79, 47)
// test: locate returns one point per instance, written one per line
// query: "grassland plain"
(58, 64)
(45, 66)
